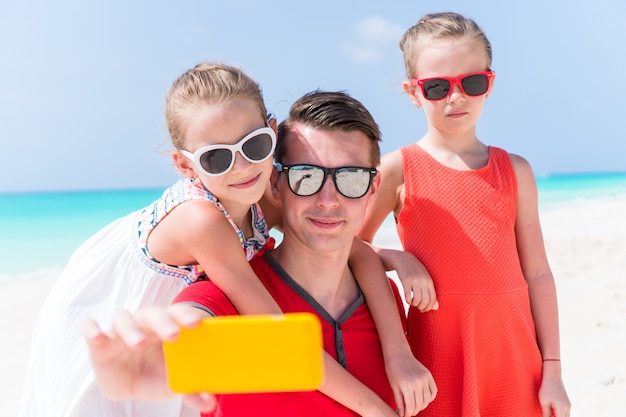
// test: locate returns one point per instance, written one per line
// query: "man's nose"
(328, 195)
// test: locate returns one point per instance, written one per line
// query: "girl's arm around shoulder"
(389, 197)
(412, 384)
(197, 232)
(419, 290)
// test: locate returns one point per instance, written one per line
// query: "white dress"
(111, 271)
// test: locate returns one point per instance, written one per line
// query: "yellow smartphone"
(246, 354)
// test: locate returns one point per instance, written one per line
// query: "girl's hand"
(419, 289)
(128, 360)
(552, 394)
(412, 384)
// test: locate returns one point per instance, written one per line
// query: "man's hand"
(128, 360)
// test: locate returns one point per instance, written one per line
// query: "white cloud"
(372, 37)
(361, 54)
(378, 30)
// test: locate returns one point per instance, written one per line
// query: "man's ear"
(183, 164)
(274, 184)
(413, 93)
(375, 185)
(272, 206)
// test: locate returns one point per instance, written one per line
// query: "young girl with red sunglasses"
(468, 212)
(224, 142)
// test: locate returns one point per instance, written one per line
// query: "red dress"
(481, 344)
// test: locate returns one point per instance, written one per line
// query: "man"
(326, 158)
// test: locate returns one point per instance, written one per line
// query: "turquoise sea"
(41, 230)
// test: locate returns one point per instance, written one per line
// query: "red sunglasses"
(473, 84)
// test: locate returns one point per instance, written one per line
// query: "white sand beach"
(586, 247)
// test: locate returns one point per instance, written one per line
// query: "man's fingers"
(125, 327)
(157, 321)
(166, 323)
(97, 340)
(202, 402)
(186, 315)
(91, 331)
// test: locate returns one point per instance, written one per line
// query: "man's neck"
(324, 275)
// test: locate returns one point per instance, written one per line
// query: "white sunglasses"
(214, 160)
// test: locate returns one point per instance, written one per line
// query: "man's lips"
(325, 223)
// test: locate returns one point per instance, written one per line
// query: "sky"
(82, 83)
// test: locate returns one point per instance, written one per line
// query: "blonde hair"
(439, 26)
(207, 83)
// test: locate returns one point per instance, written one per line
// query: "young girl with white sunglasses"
(469, 213)
(224, 142)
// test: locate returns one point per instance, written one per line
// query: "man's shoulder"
(207, 295)
(262, 267)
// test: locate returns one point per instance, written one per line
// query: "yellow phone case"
(245, 354)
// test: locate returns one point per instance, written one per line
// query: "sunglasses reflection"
(297, 184)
